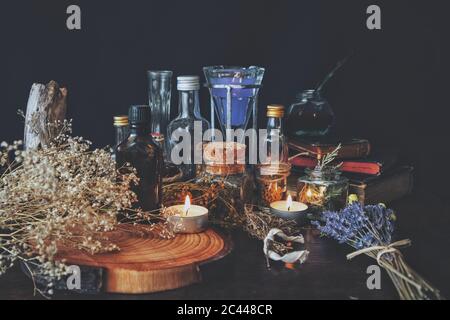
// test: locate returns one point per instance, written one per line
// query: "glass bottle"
(160, 92)
(182, 127)
(275, 142)
(274, 170)
(121, 128)
(310, 115)
(145, 156)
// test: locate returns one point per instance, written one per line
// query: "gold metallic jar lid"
(275, 111)
(121, 121)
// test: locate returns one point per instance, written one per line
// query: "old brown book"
(389, 186)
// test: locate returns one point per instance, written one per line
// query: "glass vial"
(121, 128)
(182, 127)
(273, 172)
(160, 91)
(145, 156)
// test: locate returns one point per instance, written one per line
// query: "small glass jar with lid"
(323, 189)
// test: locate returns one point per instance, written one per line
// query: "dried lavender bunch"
(64, 194)
(369, 230)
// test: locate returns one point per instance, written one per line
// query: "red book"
(373, 165)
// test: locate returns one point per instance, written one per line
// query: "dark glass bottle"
(310, 115)
(145, 156)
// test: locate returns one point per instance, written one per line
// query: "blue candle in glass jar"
(242, 98)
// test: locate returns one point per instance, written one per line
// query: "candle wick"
(186, 213)
(289, 208)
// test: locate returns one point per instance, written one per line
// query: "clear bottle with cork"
(183, 126)
(274, 169)
(145, 156)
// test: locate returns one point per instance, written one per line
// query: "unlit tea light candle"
(288, 209)
(188, 218)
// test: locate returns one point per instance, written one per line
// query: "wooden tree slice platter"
(151, 264)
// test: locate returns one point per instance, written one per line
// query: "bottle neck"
(308, 95)
(275, 124)
(188, 103)
(140, 130)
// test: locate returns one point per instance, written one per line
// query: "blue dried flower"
(360, 226)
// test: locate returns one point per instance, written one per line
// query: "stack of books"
(374, 176)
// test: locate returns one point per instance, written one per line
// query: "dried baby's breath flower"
(62, 195)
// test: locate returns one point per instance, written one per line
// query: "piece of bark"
(46, 105)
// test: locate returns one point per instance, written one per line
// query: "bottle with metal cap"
(121, 128)
(145, 156)
(276, 141)
(184, 149)
(121, 132)
(274, 168)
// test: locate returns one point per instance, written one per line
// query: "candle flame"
(289, 203)
(309, 193)
(187, 205)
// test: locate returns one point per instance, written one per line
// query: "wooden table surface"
(326, 274)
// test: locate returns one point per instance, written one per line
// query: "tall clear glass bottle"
(276, 141)
(182, 127)
(274, 170)
(145, 156)
(160, 92)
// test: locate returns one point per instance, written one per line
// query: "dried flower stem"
(63, 195)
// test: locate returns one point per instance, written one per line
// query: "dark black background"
(393, 90)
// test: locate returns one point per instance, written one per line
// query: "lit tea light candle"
(288, 209)
(188, 218)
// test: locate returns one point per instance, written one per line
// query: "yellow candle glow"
(188, 218)
(187, 205)
(287, 208)
(289, 203)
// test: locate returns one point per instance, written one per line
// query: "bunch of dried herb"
(64, 194)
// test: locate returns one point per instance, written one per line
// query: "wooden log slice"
(151, 264)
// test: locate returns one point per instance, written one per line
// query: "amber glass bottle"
(145, 156)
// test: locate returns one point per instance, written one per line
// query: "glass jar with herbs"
(323, 189)
(271, 183)
(224, 168)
